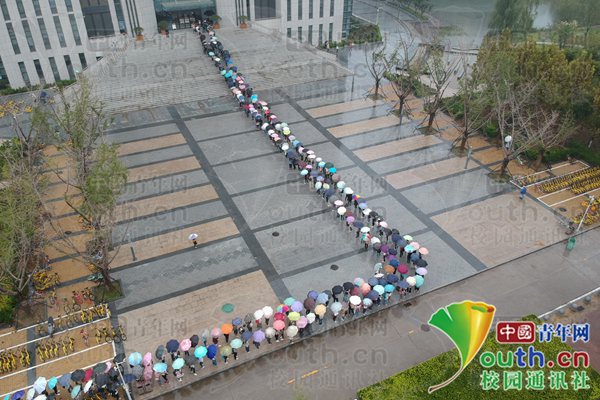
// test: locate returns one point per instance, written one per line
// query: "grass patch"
(412, 12)
(426, 131)
(414, 382)
(104, 296)
(452, 30)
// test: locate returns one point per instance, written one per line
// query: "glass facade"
(82, 60)
(36, 7)
(320, 33)
(75, 30)
(28, 35)
(96, 15)
(24, 73)
(69, 5)
(310, 34)
(331, 32)
(54, 69)
(44, 33)
(264, 9)
(299, 10)
(38, 69)
(21, 8)
(69, 67)
(299, 33)
(4, 10)
(347, 18)
(53, 6)
(289, 10)
(321, 4)
(3, 77)
(289, 32)
(13, 38)
(331, 7)
(59, 32)
(310, 9)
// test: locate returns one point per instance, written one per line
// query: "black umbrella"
(138, 371)
(112, 386)
(195, 340)
(395, 231)
(51, 396)
(128, 378)
(119, 358)
(309, 303)
(373, 214)
(160, 352)
(421, 263)
(101, 379)
(112, 373)
(328, 293)
(99, 368)
(387, 231)
(377, 246)
(77, 375)
(172, 345)
(209, 13)
(348, 285)
(337, 289)
(190, 360)
(249, 318)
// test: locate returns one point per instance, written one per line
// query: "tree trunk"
(503, 167)
(430, 124)
(376, 96)
(463, 141)
(107, 280)
(400, 110)
(538, 161)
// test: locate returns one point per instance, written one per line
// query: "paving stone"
(395, 214)
(352, 116)
(364, 126)
(144, 133)
(151, 144)
(162, 168)
(428, 172)
(338, 108)
(156, 156)
(397, 147)
(163, 184)
(416, 157)
(372, 138)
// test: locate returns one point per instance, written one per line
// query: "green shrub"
(531, 154)
(490, 130)
(7, 307)
(8, 91)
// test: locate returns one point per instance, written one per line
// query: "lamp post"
(377, 22)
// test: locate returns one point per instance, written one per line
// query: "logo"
(467, 325)
(515, 332)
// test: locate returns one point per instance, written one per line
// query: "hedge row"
(8, 91)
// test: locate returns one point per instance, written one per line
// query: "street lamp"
(377, 22)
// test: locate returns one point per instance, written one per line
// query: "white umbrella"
(336, 307)
(40, 384)
(267, 311)
(193, 236)
(367, 211)
(411, 281)
(258, 314)
(285, 146)
(375, 240)
(378, 276)
(30, 394)
(310, 317)
(341, 210)
(355, 300)
(270, 332)
(348, 191)
(41, 397)
(291, 331)
(87, 386)
(365, 229)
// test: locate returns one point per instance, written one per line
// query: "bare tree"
(403, 70)
(376, 62)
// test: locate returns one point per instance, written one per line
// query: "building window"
(36, 7)
(53, 6)
(54, 69)
(264, 9)
(321, 3)
(69, 5)
(331, 32)
(289, 10)
(38, 69)
(82, 60)
(75, 30)
(299, 33)
(28, 35)
(3, 77)
(310, 34)
(21, 9)
(59, 32)
(69, 67)
(320, 33)
(299, 10)
(97, 18)
(289, 32)
(13, 38)
(24, 73)
(331, 7)
(44, 33)
(4, 10)
(310, 9)
(120, 17)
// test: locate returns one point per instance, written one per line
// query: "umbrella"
(394, 263)
(421, 263)
(296, 306)
(172, 345)
(135, 358)
(411, 281)
(78, 374)
(302, 322)
(365, 207)
(355, 291)
(211, 352)
(372, 281)
(379, 289)
(402, 269)
(383, 224)
(401, 243)
(408, 248)
(291, 331)
(389, 288)
(282, 308)
(392, 252)
(237, 343)
(75, 391)
(269, 332)
(268, 311)
(138, 371)
(376, 245)
(313, 295)
(112, 386)
(408, 238)
(389, 269)
(294, 316)
(348, 191)
(396, 237)
(109, 365)
(102, 379)
(391, 278)
(365, 229)
(375, 240)
(328, 165)
(377, 276)
(226, 351)
(336, 307)
(227, 328)
(215, 332)
(237, 322)
(421, 271)
(414, 257)
(289, 301)
(101, 367)
(358, 281)
(355, 300)
(385, 249)
(279, 317)
(193, 236)
(338, 203)
(420, 280)
(423, 251)
(304, 172)
(382, 281)
(341, 210)
(185, 345)
(177, 364)
(87, 386)
(387, 231)
(258, 336)
(341, 184)
(367, 302)
(278, 325)
(373, 295)
(191, 360)
(18, 395)
(323, 298)
(200, 351)
(365, 288)
(309, 303)
(194, 340)
(348, 285)
(160, 352)
(337, 289)
(112, 373)
(52, 382)
(358, 224)
(247, 335)
(64, 380)
(128, 378)
(160, 367)
(310, 317)
(40, 384)
(373, 214)
(88, 374)
(415, 245)
(403, 284)
(320, 309)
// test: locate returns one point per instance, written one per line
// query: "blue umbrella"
(321, 164)
(379, 289)
(394, 262)
(329, 192)
(200, 351)
(314, 174)
(212, 351)
(403, 284)
(7, 397)
(135, 358)
(246, 335)
(389, 288)
(65, 380)
(414, 257)
(401, 243)
(291, 155)
(172, 345)
(295, 143)
(75, 391)
(419, 280)
(372, 281)
(52, 383)
(363, 206)
(391, 278)
(236, 322)
(396, 237)
(313, 295)
(367, 302)
(321, 179)
(160, 367)
(128, 378)
(382, 281)
(358, 224)
(392, 252)
(322, 298)
(332, 170)
(18, 395)
(373, 295)
(360, 200)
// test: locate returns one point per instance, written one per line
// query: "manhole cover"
(407, 304)
(275, 233)
(68, 232)
(334, 267)
(425, 328)
(580, 308)
(562, 209)
(227, 307)
(60, 172)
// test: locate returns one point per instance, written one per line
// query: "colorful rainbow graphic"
(467, 325)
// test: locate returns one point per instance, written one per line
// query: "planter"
(216, 26)
(164, 32)
(243, 26)
(139, 38)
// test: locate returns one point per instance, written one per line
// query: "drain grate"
(407, 304)
(334, 267)
(68, 232)
(580, 308)
(275, 234)
(562, 209)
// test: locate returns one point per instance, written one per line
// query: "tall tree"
(376, 62)
(585, 12)
(403, 70)
(516, 15)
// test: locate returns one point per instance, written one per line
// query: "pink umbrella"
(423, 251)
(402, 269)
(365, 288)
(278, 325)
(279, 317)
(109, 365)
(309, 166)
(148, 373)
(414, 245)
(350, 220)
(147, 360)
(302, 322)
(383, 224)
(186, 344)
(215, 332)
(338, 203)
(310, 152)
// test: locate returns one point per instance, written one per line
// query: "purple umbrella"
(313, 295)
(421, 271)
(297, 306)
(385, 249)
(392, 252)
(258, 336)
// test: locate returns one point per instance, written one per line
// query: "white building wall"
(146, 16)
